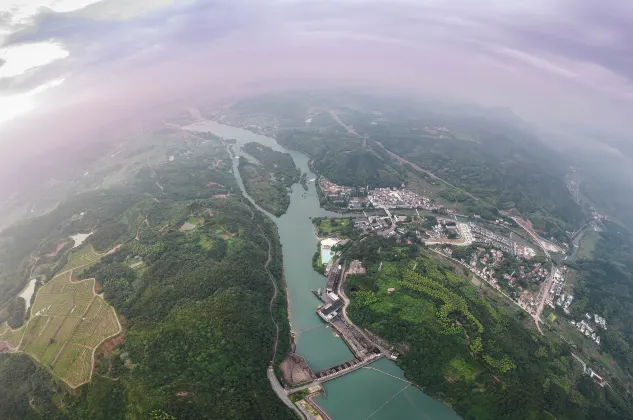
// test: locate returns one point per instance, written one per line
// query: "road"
(272, 378)
(526, 227)
(281, 392)
(341, 293)
(272, 299)
(402, 160)
(544, 295)
(478, 277)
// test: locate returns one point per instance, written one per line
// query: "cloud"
(17, 59)
(565, 60)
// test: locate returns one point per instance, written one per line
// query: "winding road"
(272, 378)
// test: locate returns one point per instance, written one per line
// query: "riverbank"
(365, 390)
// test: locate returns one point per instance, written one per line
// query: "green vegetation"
(304, 181)
(268, 193)
(316, 261)
(280, 165)
(603, 286)
(342, 158)
(506, 166)
(467, 345)
(588, 245)
(340, 228)
(28, 391)
(198, 334)
(68, 322)
(84, 256)
(299, 395)
(268, 182)
(490, 156)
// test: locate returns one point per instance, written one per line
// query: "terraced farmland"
(83, 256)
(68, 321)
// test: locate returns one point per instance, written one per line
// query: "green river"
(378, 391)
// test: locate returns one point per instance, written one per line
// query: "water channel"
(381, 391)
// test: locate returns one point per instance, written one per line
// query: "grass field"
(68, 321)
(462, 370)
(588, 245)
(10, 336)
(83, 256)
(333, 227)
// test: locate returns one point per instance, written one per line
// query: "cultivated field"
(12, 338)
(68, 321)
(83, 256)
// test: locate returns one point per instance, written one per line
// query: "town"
(515, 265)
(379, 198)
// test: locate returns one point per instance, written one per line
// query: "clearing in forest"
(68, 322)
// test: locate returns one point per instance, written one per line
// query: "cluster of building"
(484, 265)
(356, 267)
(392, 198)
(590, 325)
(487, 264)
(528, 301)
(329, 311)
(534, 272)
(444, 228)
(449, 231)
(437, 131)
(335, 193)
(523, 251)
(373, 223)
(481, 235)
(600, 321)
(385, 198)
(259, 123)
(590, 372)
(557, 291)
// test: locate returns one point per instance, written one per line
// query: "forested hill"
(468, 345)
(279, 164)
(489, 153)
(605, 286)
(267, 181)
(342, 158)
(494, 158)
(190, 284)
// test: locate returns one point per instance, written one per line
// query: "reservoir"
(27, 293)
(79, 239)
(380, 390)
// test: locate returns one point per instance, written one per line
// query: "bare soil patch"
(58, 248)
(295, 370)
(187, 226)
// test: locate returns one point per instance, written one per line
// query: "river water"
(380, 391)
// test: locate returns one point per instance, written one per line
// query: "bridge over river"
(338, 371)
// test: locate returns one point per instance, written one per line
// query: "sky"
(71, 69)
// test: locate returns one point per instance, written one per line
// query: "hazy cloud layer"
(550, 60)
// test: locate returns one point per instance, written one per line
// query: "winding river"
(379, 391)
